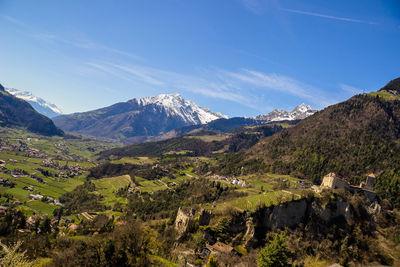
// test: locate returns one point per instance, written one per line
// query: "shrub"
(275, 253)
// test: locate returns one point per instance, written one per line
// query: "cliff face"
(284, 215)
(291, 214)
(184, 221)
(252, 227)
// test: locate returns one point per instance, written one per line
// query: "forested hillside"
(352, 138)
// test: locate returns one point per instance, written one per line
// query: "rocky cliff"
(252, 227)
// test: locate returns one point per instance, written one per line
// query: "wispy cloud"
(14, 21)
(246, 87)
(82, 42)
(350, 89)
(283, 84)
(148, 75)
(314, 14)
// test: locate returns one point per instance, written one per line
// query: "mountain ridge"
(39, 104)
(300, 112)
(15, 112)
(143, 117)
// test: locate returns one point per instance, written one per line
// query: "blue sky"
(238, 57)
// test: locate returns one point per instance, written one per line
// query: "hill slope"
(200, 142)
(225, 125)
(16, 112)
(352, 138)
(149, 116)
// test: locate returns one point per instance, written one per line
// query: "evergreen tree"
(275, 253)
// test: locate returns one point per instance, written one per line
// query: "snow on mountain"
(300, 112)
(175, 105)
(138, 119)
(40, 105)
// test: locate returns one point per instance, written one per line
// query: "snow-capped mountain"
(40, 105)
(138, 118)
(175, 105)
(298, 113)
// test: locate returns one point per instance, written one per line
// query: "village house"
(35, 196)
(29, 188)
(6, 182)
(32, 219)
(17, 202)
(233, 180)
(219, 248)
(3, 210)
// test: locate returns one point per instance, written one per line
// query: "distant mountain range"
(152, 118)
(43, 107)
(15, 112)
(225, 125)
(138, 118)
(298, 113)
(162, 117)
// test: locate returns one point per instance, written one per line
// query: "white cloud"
(246, 87)
(326, 16)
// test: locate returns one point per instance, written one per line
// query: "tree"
(275, 253)
(212, 262)
(13, 258)
(45, 225)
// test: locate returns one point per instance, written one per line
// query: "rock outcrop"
(332, 210)
(184, 222)
(291, 214)
(204, 217)
(285, 215)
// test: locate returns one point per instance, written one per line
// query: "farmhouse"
(218, 247)
(35, 196)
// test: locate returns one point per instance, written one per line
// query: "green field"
(60, 150)
(108, 188)
(210, 138)
(386, 95)
(251, 202)
(136, 160)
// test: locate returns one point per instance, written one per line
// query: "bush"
(212, 262)
(275, 253)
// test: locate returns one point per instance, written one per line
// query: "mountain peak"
(175, 105)
(40, 105)
(302, 108)
(15, 112)
(300, 112)
(139, 118)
